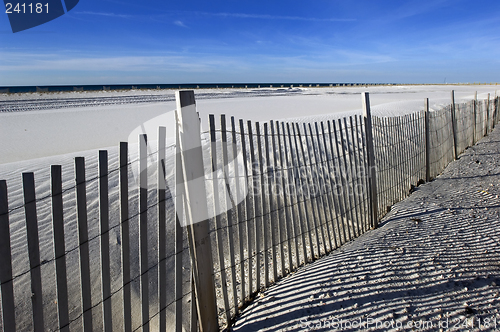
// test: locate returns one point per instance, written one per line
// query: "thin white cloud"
(104, 14)
(180, 24)
(277, 17)
(18, 62)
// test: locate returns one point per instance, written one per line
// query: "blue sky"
(223, 41)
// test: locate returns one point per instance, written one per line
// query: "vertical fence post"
(257, 205)
(293, 211)
(427, 143)
(162, 242)
(488, 115)
(7, 290)
(495, 102)
(104, 224)
(304, 186)
(371, 158)
(256, 214)
(33, 250)
(248, 212)
(59, 247)
(496, 110)
(196, 208)
(474, 109)
(218, 215)
(283, 167)
(272, 200)
(339, 180)
(454, 124)
(143, 230)
(179, 218)
(124, 229)
(264, 207)
(230, 208)
(239, 213)
(332, 195)
(343, 162)
(297, 181)
(83, 239)
(278, 174)
(314, 196)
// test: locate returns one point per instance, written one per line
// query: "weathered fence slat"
(230, 208)
(8, 305)
(125, 237)
(388, 139)
(277, 192)
(104, 229)
(454, 124)
(296, 181)
(405, 147)
(351, 149)
(314, 216)
(267, 225)
(264, 207)
(427, 142)
(248, 214)
(403, 162)
(348, 166)
(474, 105)
(179, 217)
(327, 208)
(381, 158)
(289, 187)
(420, 145)
(392, 136)
(239, 219)
(301, 187)
(414, 156)
(332, 194)
(285, 217)
(396, 125)
(371, 158)
(196, 208)
(33, 250)
(488, 115)
(339, 179)
(143, 229)
(272, 201)
(193, 324)
(365, 182)
(83, 239)
(357, 169)
(257, 205)
(315, 186)
(162, 242)
(310, 198)
(422, 126)
(349, 222)
(217, 216)
(59, 247)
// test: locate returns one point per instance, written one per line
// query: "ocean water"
(60, 88)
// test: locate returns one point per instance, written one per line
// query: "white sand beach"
(33, 139)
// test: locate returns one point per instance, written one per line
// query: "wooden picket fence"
(252, 202)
